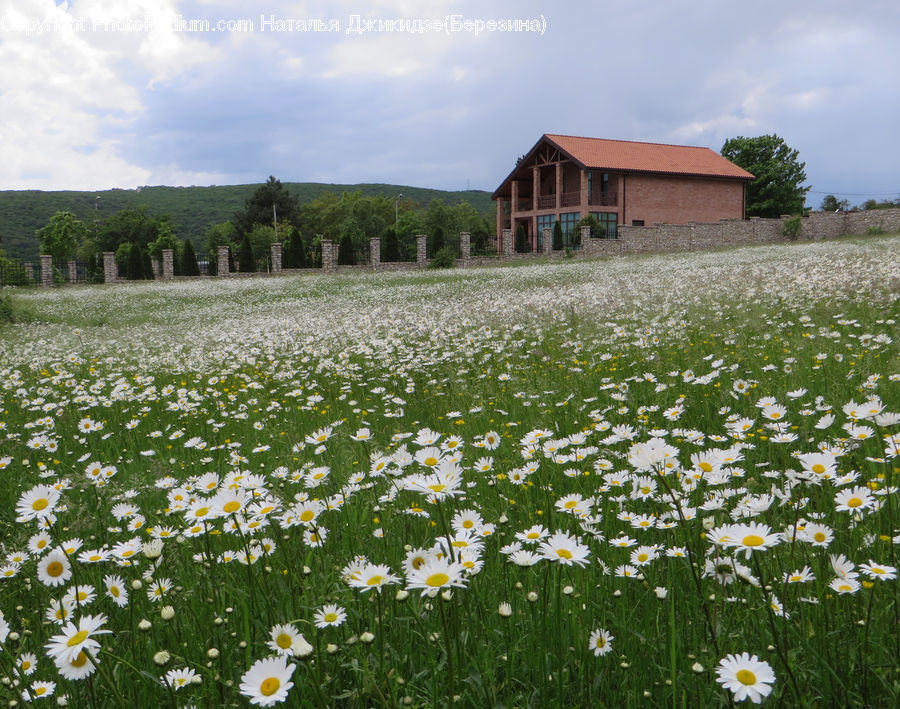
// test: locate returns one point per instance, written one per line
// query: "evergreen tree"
(189, 265)
(521, 239)
(147, 262)
(390, 246)
(557, 236)
(134, 269)
(246, 260)
(437, 241)
(346, 252)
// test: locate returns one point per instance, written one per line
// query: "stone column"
(29, 272)
(46, 271)
(276, 257)
(536, 187)
(222, 261)
(157, 270)
(585, 237)
(547, 240)
(168, 264)
(73, 272)
(329, 256)
(421, 253)
(506, 247)
(465, 248)
(374, 252)
(110, 269)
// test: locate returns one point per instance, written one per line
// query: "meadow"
(663, 480)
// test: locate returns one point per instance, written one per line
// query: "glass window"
(568, 220)
(608, 220)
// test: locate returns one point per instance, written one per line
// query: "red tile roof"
(624, 155)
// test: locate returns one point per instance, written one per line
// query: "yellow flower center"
(40, 504)
(564, 553)
(201, 512)
(417, 562)
(114, 591)
(283, 641)
(431, 460)
(231, 506)
(330, 617)
(746, 677)
(55, 568)
(705, 467)
(854, 502)
(80, 660)
(79, 637)
(269, 686)
(39, 690)
(571, 503)
(753, 540)
(375, 580)
(306, 516)
(819, 536)
(437, 488)
(438, 579)
(642, 557)
(818, 468)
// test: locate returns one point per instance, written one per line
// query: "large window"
(608, 220)
(544, 221)
(568, 220)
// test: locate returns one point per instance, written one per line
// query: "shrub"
(557, 236)
(792, 227)
(445, 258)
(875, 231)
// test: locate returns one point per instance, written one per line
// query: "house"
(565, 178)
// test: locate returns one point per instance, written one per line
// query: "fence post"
(547, 241)
(168, 266)
(276, 257)
(46, 271)
(585, 238)
(506, 248)
(421, 253)
(329, 256)
(110, 268)
(73, 272)
(375, 252)
(29, 272)
(465, 248)
(222, 261)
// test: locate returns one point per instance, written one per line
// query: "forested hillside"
(192, 209)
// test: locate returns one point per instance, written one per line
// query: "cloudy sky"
(120, 93)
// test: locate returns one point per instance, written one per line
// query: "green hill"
(192, 209)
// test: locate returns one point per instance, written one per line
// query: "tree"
(189, 266)
(62, 235)
(390, 246)
(778, 172)
(521, 239)
(246, 262)
(557, 236)
(259, 208)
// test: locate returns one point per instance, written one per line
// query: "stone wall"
(693, 236)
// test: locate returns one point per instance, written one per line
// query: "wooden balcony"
(570, 199)
(546, 201)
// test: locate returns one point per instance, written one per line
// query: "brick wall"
(653, 199)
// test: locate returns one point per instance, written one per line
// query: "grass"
(626, 410)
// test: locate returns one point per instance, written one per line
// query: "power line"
(855, 194)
